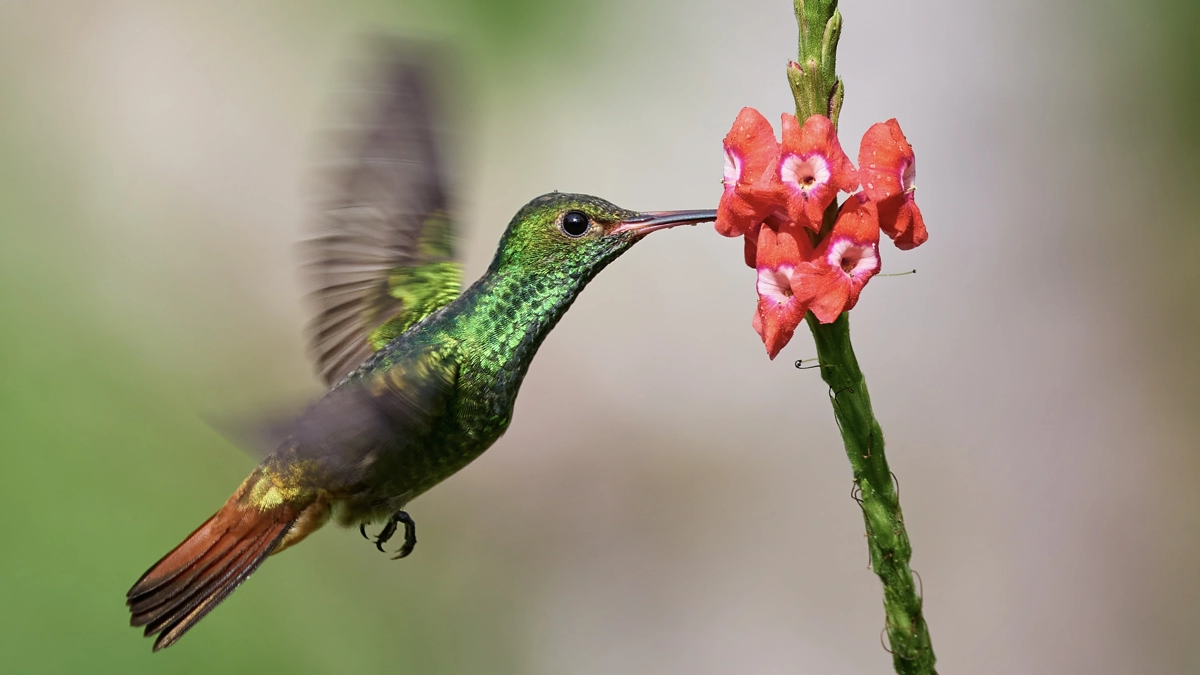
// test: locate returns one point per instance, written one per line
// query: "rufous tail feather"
(197, 575)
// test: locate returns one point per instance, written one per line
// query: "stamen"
(851, 257)
(733, 169)
(776, 284)
(909, 176)
(804, 173)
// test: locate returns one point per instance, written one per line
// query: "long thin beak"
(648, 222)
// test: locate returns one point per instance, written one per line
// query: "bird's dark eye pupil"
(575, 223)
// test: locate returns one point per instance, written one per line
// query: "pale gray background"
(667, 500)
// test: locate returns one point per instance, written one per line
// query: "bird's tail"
(197, 575)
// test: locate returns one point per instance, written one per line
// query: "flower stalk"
(876, 493)
(818, 90)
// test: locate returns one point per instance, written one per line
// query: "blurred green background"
(667, 500)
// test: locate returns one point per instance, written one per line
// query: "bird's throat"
(508, 315)
(513, 314)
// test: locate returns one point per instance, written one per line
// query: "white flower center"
(733, 169)
(804, 173)
(909, 176)
(853, 259)
(776, 284)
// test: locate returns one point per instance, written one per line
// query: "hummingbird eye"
(575, 224)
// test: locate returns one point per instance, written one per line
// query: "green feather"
(421, 290)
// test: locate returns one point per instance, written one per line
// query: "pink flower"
(775, 221)
(750, 148)
(830, 282)
(812, 169)
(888, 169)
(775, 197)
(779, 310)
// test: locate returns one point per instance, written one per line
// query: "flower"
(775, 197)
(812, 169)
(750, 149)
(774, 221)
(779, 310)
(830, 281)
(888, 168)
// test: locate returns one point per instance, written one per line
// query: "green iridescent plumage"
(421, 290)
(444, 390)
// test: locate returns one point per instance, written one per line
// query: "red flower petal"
(777, 221)
(752, 143)
(782, 245)
(835, 274)
(812, 169)
(901, 220)
(888, 168)
(750, 250)
(779, 311)
(750, 246)
(750, 147)
(823, 289)
(857, 218)
(883, 159)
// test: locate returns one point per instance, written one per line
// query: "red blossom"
(775, 197)
(888, 168)
(750, 149)
(775, 221)
(830, 282)
(812, 169)
(779, 310)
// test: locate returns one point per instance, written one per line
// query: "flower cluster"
(776, 195)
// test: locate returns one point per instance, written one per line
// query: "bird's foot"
(389, 529)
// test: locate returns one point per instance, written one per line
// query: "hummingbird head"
(577, 235)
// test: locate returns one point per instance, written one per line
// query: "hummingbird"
(422, 375)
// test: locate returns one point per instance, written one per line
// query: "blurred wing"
(383, 257)
(378, 409)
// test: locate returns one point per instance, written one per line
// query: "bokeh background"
(667, 499)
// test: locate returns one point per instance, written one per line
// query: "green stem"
(818, 90)
(813, 77)
(908, 636)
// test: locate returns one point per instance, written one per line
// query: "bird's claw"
(389, 529)
(410, 533)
